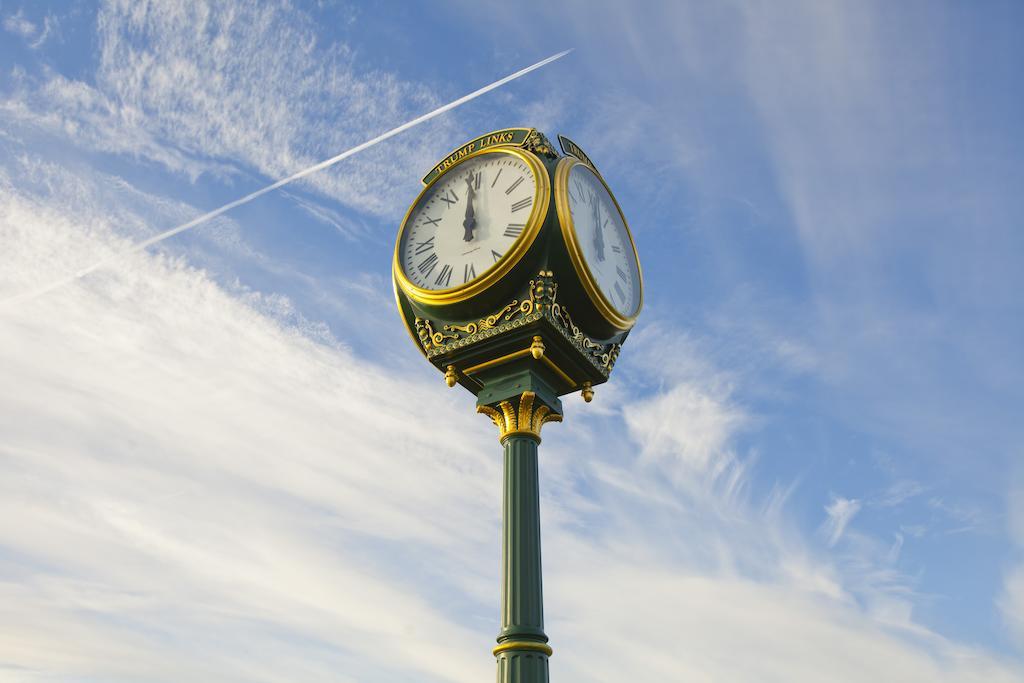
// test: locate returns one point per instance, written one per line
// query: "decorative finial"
(451, 376)
(588, 392)
(537, 347)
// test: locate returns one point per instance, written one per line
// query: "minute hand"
(469, 223)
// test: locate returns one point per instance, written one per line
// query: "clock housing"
(537, 318)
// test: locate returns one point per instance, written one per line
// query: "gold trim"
(579, 262)
(496, 361)
(523, 419)
(522, 645)
(500, 360)
(541, 202)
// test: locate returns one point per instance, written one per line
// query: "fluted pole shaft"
(522, 650)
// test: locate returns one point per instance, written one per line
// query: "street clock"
(516, 275)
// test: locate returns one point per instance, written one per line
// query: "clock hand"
(469, 223)
(598, 231)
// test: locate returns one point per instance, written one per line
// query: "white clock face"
(604, 240)
(467, 221)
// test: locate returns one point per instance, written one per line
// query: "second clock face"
(603, 238)
(467, 221)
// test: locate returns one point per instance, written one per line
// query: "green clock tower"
(516, 275)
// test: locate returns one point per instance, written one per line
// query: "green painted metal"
(509, 381)
(522, 593)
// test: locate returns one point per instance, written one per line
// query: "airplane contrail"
(27, 296)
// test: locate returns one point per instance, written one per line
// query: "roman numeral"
(449, 197)
(431, 221)
(445, 277)
(618, 290)
(514, 185)
(622, 275)
(495, 182)
(579, 188)
(475, 180)
(422, 247)
(617, 249)
(496, 255)
(468, 272)
(522, 204)
(427, 264)
(514, 229)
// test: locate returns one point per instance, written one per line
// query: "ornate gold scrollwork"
(485, 323)
(541, 301)
(601, 353)
(613, 355)
(522, 419)
(428, 337)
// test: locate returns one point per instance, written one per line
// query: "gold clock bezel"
(579, 261)
(453, 295)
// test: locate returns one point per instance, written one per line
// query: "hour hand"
(469, 222)
(598, 233)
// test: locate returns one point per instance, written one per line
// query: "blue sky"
(222, 459)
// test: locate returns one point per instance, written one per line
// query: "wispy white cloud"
(346, 227)
(735, 630)
(839, 514)
(687, 425)
(18, 25)
(898, 493)
(960, 517)
(218, 89)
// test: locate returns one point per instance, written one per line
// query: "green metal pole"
(520, 404)
(522, 649)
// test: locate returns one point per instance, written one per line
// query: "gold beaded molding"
(525, 420)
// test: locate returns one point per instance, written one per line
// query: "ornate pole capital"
(520, 416)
